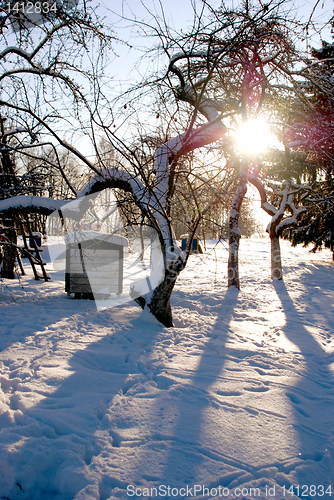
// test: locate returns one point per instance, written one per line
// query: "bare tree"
(283, 210)
(227, 68)
(219, 74)
(152, 200)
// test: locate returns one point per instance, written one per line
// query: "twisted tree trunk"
(158, 299)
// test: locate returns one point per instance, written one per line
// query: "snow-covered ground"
(238, 397)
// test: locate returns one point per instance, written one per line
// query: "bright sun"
(254, 136)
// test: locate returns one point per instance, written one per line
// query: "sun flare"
(254, 136)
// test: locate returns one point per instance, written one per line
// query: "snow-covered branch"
(30, 204)
(112, 178)
(278, 223)
(19, 52)
(290, 221)
(265, 205)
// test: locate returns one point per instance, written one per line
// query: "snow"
(112, 405)
(86, 235)
(19, 202)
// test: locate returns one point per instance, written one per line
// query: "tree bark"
(276, 263)
(8, 264)
(234, 233)
(159, 305)
(158, 300)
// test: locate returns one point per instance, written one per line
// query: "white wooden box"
(94, 264)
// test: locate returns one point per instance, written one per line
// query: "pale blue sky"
(126, 69)
(179, 14)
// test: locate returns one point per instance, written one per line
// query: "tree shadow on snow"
(312, 397)
(188, 441)
(23, 317)
(47, 447)
(318, 281)
(76, 437)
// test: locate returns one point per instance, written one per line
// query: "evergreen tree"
(313, 140)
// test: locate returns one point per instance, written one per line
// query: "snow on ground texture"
(239, 394)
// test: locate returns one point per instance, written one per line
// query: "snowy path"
(240, 394)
